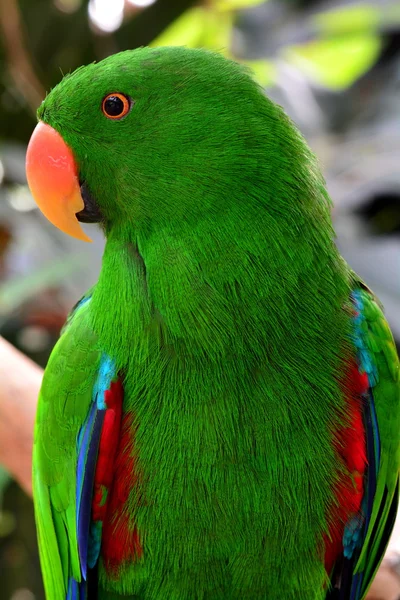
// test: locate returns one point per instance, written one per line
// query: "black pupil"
(114, 106)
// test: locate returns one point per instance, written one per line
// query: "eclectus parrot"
(220, 419)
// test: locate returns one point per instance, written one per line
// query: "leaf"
(336, 62)
(263, 71)
(223, 5)
(218, 31)
(187, 30)
(198, 27)
(352, 19)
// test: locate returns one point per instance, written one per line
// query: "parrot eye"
(116, 106)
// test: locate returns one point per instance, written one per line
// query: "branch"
(20, 383)
(19, 62)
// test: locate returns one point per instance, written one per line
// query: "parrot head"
(164, 137)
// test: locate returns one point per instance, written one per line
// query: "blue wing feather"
(87, 458)
(88, 533)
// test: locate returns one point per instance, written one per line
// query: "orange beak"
(53, 180)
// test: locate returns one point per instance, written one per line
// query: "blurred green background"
(333, 65)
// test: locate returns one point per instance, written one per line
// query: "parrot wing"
(365, 539)
(80, 387)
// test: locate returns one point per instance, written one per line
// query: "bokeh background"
(333, 65)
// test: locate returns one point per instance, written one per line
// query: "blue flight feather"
(89, 539)
(85, 505)
(83, 590)
(356, 586)
(72, 593)
(83, 445)
(76, 591)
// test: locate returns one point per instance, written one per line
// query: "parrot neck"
(120, 299)
(204, 296)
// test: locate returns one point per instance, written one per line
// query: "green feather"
(387, 402)
(63, 405)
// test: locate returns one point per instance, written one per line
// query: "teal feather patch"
(107, 374)
(96, 528)
(365, 357)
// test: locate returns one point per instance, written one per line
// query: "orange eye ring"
(116, 106)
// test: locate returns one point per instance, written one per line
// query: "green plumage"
(226, 307)
(63, 405)
(382, 349)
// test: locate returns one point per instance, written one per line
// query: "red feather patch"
(107, 450)
(120, 540)
(350, 445)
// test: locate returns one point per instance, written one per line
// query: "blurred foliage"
(349, 19)
(336, 62)
(210, 26)
(236, 4)
(46, 38)
(358, 18)
(203, 27)
(57, 42)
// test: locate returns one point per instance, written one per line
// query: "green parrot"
(220, 417)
